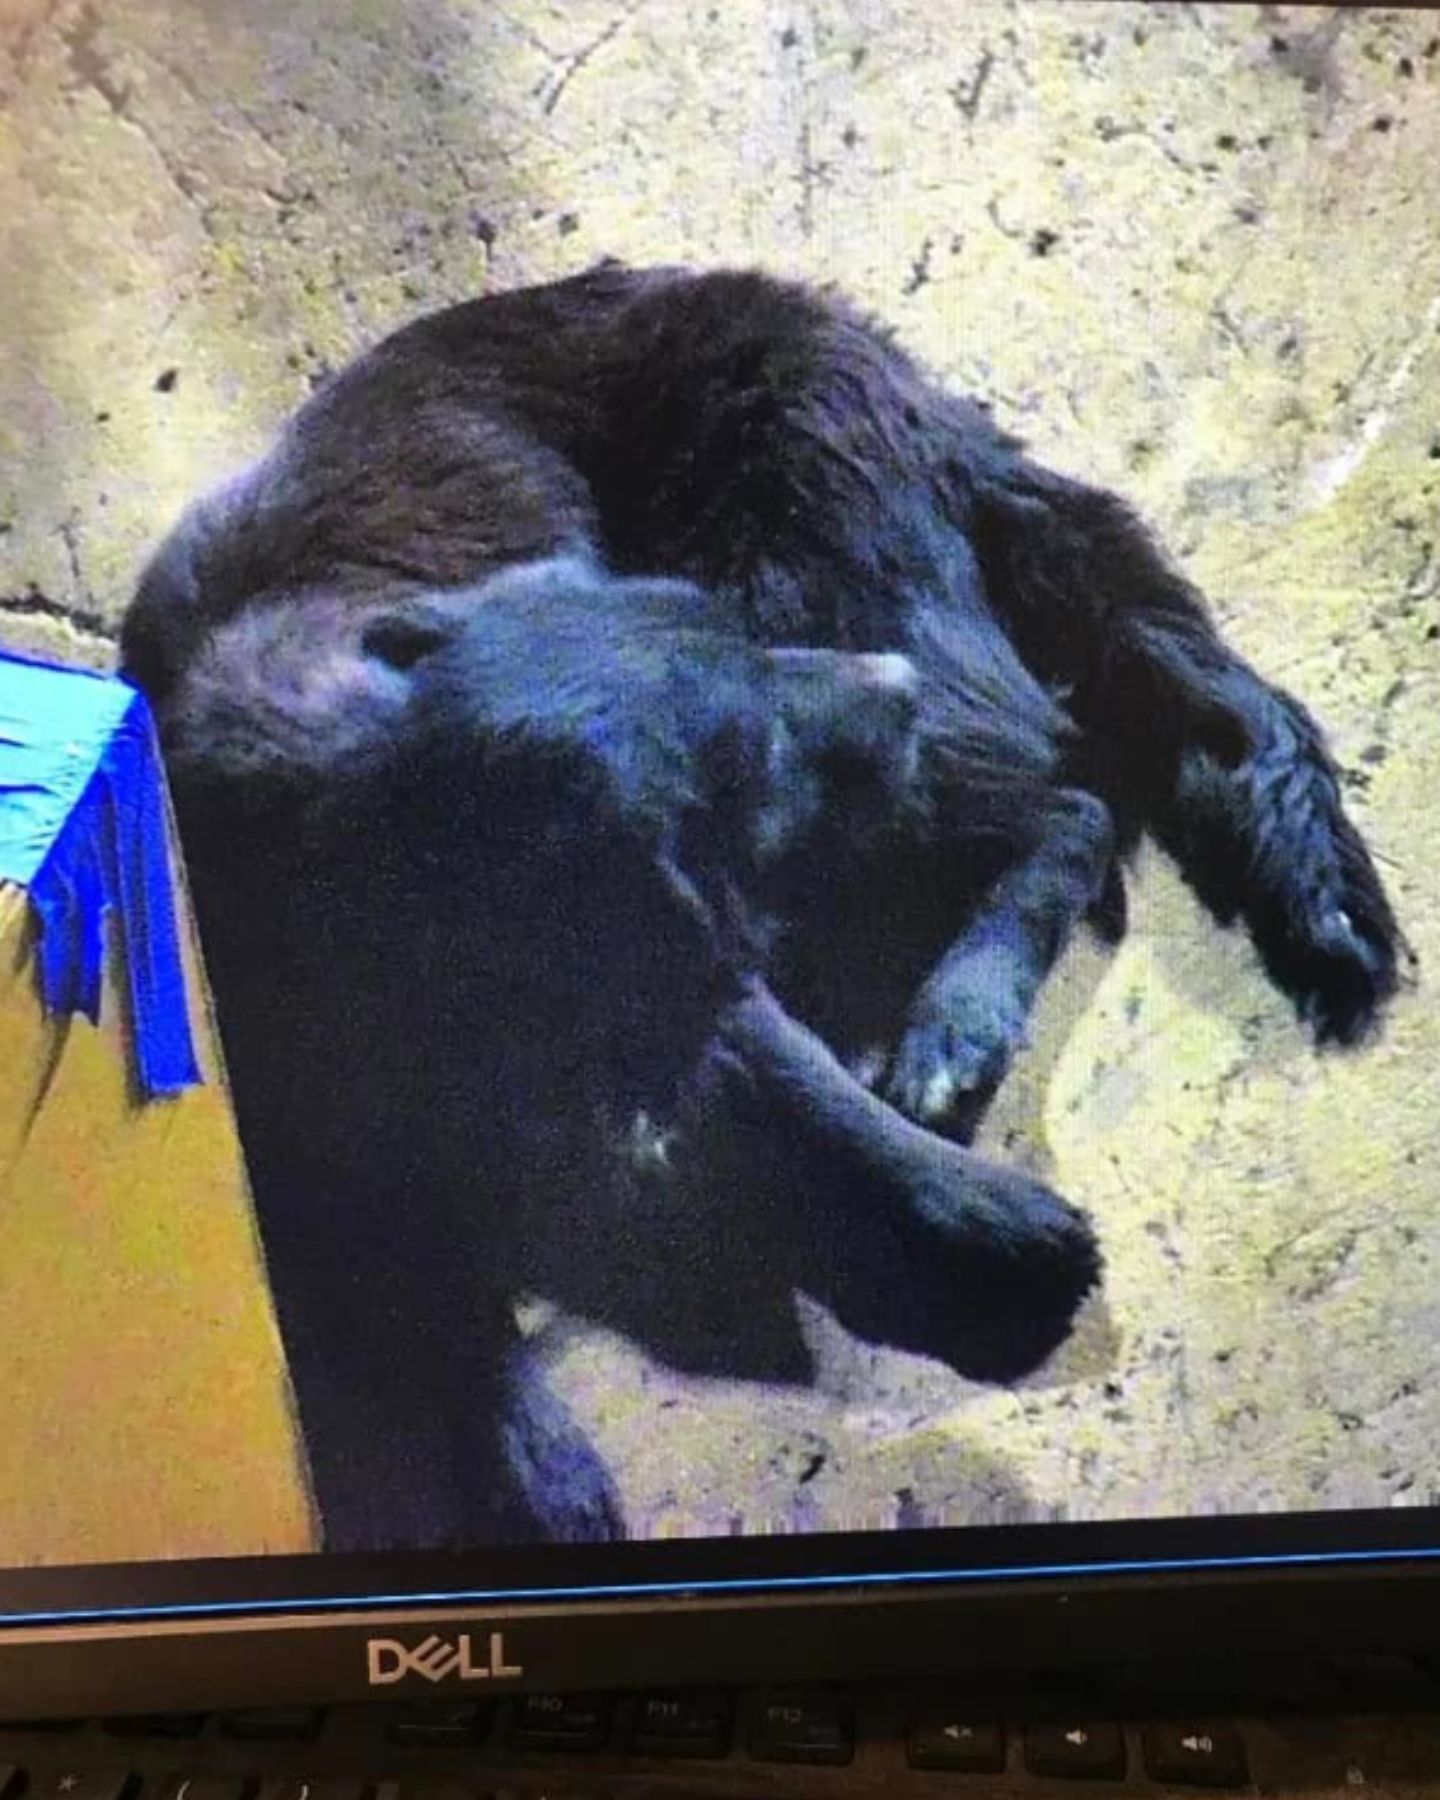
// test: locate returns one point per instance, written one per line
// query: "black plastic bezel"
(250, 1631)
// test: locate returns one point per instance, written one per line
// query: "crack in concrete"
(1229, 326)
(967, 95)
(69, 530)
(992, 209)
(205, 105)
(526, 33)
(572, 65)
(1423, 583)
(1336, 471)
(93, 70)
(1309, 56)
(26, 38)
(812, 173)
(33, 602)
(1110, 130)
(805, 204)
(919, 275)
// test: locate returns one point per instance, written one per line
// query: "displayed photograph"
(790, 661)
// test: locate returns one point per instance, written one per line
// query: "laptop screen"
(758, 901)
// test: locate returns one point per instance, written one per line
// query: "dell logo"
(434, 1658)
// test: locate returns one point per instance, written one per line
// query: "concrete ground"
(1190, 252)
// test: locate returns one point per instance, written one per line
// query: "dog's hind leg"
(1230, 774)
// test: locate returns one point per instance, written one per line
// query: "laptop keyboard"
(810, 1742)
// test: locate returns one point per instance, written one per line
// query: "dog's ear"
(408, 635)
(843, 705)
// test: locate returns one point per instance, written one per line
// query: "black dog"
(490, 870)
(475, 875)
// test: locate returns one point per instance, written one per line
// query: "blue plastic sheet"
(83, 829)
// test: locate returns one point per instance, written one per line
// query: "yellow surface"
(144, 1406)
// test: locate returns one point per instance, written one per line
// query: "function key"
(438, 1724)
(203, 1787)
(681, 1724)
(288, 1787)
(430, 1788)
(957, 1740)
(1209, 1755)
(85, 1784)
(272, 1724)
(559, 1722)
(166, 1725)
(801, 1728)
(1070, 1748)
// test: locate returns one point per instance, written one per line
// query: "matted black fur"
(611, 709)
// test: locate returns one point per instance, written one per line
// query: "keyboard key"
(1209, 1755)
(85, 1784)
(272, 1724)
(1072, 1748)
(801, 1728)
(11, 1781)
(203, 1787)
(688, 1724)
(436, 1724)
(431, 1788)
(166, 1725)
(543, 1792)
(281, 1787)
(559, 1722)
(957, 1740)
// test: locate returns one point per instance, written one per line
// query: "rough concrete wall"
(1190, 252)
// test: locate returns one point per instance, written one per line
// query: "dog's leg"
(910, 1239)
(969, 1017)
(1231, 774)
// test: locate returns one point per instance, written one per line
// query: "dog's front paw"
(998, 1266)
(952, 1059)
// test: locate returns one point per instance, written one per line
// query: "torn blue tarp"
(83, 828)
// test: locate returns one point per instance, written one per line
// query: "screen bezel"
(573, 1574)
(956, 1625)
(239, 1631)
